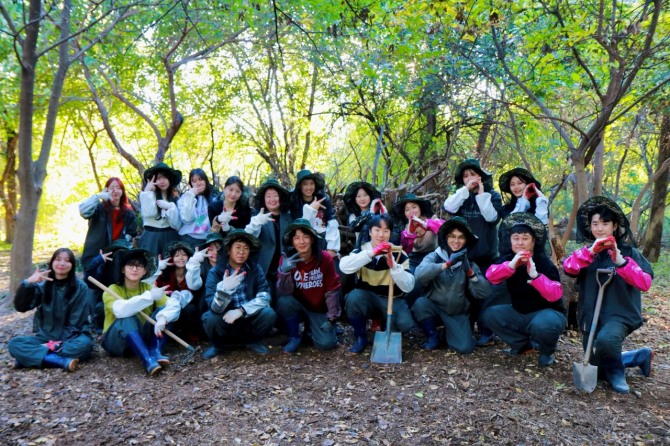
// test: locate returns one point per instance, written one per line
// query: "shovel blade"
(584, 376)
(387, 348)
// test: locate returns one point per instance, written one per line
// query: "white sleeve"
(542, 209)
(354, 261)
(333, 235)
(87, 207)
(309, 213)
(522, 205)
(454, 201)
(172, 214)
(177, 300)
(253, 228)
(186, 205)
(486, 207)
(403, 278)
(129, 307)
(148, 206)
(262, 300)
(193, 278)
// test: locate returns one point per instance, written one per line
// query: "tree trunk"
(8, 186)
(654, 233)
(599, 168)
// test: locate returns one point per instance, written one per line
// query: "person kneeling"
(308, 287)
(238, 296)
(375, 265)
(537, 314)
(446, 274)
(61, 321)
(123, 329)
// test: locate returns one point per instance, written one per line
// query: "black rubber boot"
(641, 358)
(54, 361)
(156, 345)
(430, 330)
(137, 345)
(358, 324)
(292, 325)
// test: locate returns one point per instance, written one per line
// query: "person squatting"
(210, 267)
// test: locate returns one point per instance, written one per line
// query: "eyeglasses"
(241, 249)
(134, 266)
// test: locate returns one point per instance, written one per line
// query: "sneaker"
(211, 352)
(546, 360)
(518, 351)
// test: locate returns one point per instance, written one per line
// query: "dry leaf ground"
(334, 398)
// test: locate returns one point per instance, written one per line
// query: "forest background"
(391, 92)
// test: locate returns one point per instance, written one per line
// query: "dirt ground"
(335, 398)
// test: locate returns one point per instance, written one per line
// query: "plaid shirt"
(239, 296)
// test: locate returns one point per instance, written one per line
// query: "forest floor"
(335, 398)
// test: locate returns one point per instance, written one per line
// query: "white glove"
(163, 263)
(158, 293)
(104, 195)
(262, 218)
(198, 256)
(616, 256)
(231, 282)
(226, 217)
(532, 271)
(232, 315)
(163, 204)
(159, 328)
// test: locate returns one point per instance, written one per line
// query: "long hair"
(243, 201)
(70, 280)
(124, 203)
(208, 187)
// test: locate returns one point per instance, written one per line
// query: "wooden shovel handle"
(141, 313)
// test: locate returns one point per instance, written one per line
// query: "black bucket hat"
(173, 175)
(211, 238)
(308, 175)
(352, 190)
(122, 257)
(175, 246)
(473, 164)
(259, 198)
(302, 224)
(584, 225)
(241, 234)
(398, 209)
(525, 175)
(456, 223)
(117, 245)
(525, 219)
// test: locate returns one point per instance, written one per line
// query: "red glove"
(414, 225)
(530, 191)
(602, 244)
(382, 248)
(53, 345)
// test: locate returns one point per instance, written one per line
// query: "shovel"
(386, 348)
(585, 375)
(149, 319)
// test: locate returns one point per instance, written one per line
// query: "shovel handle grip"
(142, 314)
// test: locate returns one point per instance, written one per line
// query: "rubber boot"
(430, 330)
(293, 330)
(215, 350)
(486, 336)
(54, 361)
(358, 324)
(641, 358)
(156, 345)
(616, 375)
(137, 345)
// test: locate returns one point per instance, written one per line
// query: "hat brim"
(290, 232)
(456, 223)
(203, 246)
(122, 257)
(474, 166)
(234, 236)
(398, 209)
(352, 190)
(584, 225)
(526, 219)
(319, 182)
(173, 175)
(506, 178)
(284, 193)
(175, 246)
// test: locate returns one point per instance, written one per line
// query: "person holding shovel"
(446, 274)
(375, 263)
(238, 296)
(308, 289)
(601, 220)
(537, 314)
(123, 330)
(61, 322)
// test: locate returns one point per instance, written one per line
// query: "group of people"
(209, 267)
